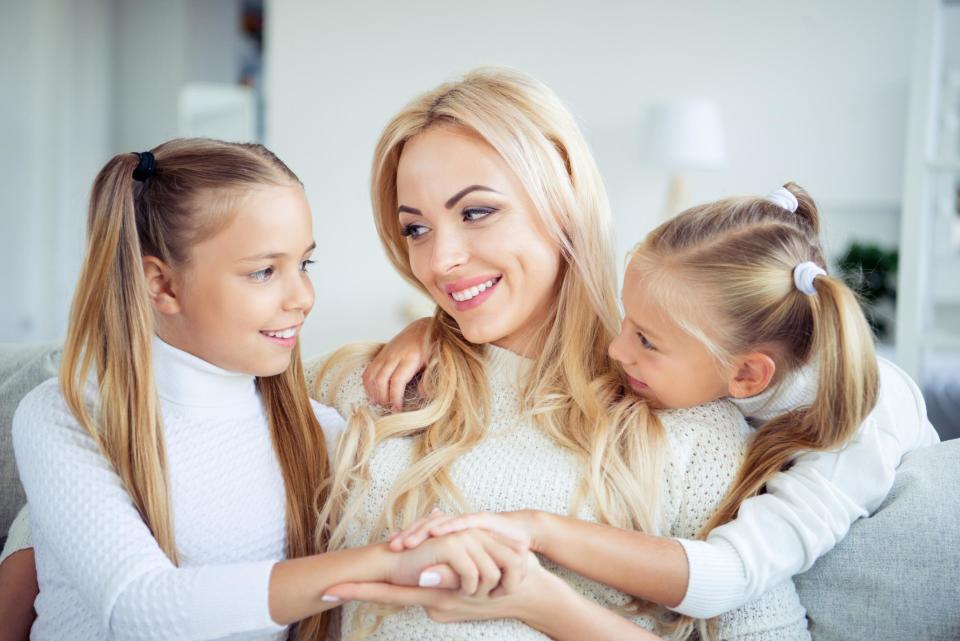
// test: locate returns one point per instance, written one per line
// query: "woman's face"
(476, 241)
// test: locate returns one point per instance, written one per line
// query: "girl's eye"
(413, 230)
(477, 213)
(262, 275)
(306, 264)
(646, 344)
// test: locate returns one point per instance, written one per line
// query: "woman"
(487, 199)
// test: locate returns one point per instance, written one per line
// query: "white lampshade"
(687, 134)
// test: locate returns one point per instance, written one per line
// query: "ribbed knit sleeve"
(85, 520)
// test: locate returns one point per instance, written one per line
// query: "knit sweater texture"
(102, 574)
(516, 466)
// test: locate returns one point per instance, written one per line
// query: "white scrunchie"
(803, 276)
(782, 197)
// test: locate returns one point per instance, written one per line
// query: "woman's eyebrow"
(409, 210)
(463, 192)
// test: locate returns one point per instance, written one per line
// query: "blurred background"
(681, 102)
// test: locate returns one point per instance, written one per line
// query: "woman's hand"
(520, 527)
(395, 365)
(542, 600)
(478, 562)
(529, 597)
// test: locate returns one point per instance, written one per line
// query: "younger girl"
(177, 460)
(731, 299)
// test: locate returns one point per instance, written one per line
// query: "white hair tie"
(783, 197)
(803, 276)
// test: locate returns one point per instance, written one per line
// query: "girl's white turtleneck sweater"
(101, 573)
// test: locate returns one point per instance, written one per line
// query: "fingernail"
(329, 598)
(429, 579)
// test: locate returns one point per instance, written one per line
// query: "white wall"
(813, 91)
(55, 124)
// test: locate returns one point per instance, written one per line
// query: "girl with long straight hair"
(178, 460)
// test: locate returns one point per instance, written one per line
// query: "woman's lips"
(471, 293)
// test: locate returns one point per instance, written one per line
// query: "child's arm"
(543, 601)
(776, 535)
(92, 530)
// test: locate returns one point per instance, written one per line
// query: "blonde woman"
(486, 198)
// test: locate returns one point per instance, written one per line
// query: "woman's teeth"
(471, 292)
(283, 333)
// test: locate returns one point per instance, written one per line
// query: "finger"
(440, 576)
(383, 382)
(402, 376)
(489, 571)
(416, 536)
(398, 538)
(511, 564)
(385, 593)
(483, 521)
(458, 558)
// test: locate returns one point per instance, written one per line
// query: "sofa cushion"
(22, 367)
(895, 575)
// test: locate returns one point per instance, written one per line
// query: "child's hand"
(482, 563)
(395, 365)
(533, 592)
(518, 527)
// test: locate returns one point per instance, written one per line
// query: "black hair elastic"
(145, 167)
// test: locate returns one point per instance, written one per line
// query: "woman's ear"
(753, 373)
(160, 285)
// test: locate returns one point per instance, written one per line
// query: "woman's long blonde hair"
(725, 272)
(112, 325)
(572, 384)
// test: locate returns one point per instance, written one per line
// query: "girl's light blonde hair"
(725, 272)
(572, 385)
(112, 325)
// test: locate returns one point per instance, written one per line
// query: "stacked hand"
(463, 572)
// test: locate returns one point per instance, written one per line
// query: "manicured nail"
(430, 579)
(329, 598)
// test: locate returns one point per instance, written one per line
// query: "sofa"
(895, 577)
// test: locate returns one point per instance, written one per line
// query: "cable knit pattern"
(516, 466)
(101, 573)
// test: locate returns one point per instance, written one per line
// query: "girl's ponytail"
(847, 391)
(111, 330)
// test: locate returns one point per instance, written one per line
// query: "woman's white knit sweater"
(516, 466)
(101, 573)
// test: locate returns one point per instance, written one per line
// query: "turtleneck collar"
(188, 381)
(504, 364)
(797, 389)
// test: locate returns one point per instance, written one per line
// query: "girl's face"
(475, 239)
(240, 299)
(664, 364)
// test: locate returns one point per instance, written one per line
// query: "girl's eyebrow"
(643, 330)
(272, 255)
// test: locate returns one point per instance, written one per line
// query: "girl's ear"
(753, 373)
(160, 285)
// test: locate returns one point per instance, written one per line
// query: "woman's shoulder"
(336, 379)
(717, 421)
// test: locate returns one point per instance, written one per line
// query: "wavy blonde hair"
(572, 385)
(112, 325)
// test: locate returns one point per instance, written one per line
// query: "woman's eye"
(413, 230)
(646, 344)
(477, 213)
(262, 275)
(306, 264)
